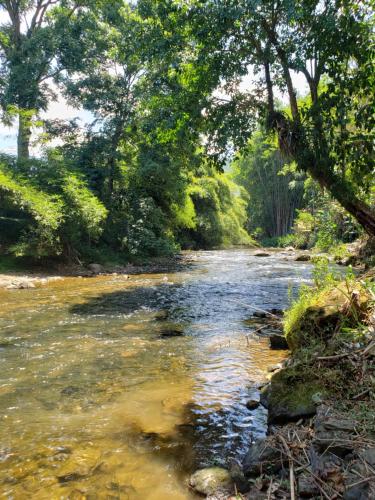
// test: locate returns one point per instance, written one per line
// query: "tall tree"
(36, 45)
(331, 136)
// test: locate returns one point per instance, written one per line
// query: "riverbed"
(119, 387)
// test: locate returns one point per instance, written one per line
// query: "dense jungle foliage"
(177, 154)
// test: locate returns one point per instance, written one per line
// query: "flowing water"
(118, 388)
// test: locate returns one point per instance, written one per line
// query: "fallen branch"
(291, 481)
(365, 480)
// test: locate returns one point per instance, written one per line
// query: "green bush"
(41, 237)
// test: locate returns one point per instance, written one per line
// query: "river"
(119, 388)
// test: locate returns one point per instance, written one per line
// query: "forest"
(179, 152)
(187, 249)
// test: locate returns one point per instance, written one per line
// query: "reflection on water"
(116, 388)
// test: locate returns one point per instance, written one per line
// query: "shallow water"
(99, 400)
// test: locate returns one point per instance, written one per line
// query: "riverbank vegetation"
(175, 153)
(321, 403)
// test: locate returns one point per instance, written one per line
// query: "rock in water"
(278, 341)
(22, 285)
(172, 330)
(261, 253)
(303, 257)
(211, 480)
(252, 404)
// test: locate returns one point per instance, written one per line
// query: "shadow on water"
(127, 301)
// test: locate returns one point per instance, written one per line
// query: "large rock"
(288, 397)
(356, 489)
(95, 268)
(368, 456)
(263, 457)
(323, 313)
(211, 480)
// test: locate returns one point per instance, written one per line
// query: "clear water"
(97, 400)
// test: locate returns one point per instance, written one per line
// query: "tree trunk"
(23, 139)
(343, 193)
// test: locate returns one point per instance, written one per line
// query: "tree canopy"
(164, 83)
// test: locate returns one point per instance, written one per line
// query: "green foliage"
(59, 212)
(274, 189)
(45, 212)
(220, 211)
(84, 213)
(140, 179)
(146, 232)
(329, 135)
(318, 308)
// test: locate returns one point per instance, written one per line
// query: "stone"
(95, 268)
(289, 398)
(277, 312)
(172, 330)
(307, 487)
(211, 480)
(260, 314)
(263, 457)
(278, 341)
(21, 285)
(361, 468)
(334, 433)
(162, 315)
(70, 390)
(303, 257)
(368, 456)
(358, 492)
(240, 482)
(261, 253)
(274, 368)
(320, 319)
(252, 404)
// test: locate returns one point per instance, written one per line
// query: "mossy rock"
(320, 315)
(289, 396)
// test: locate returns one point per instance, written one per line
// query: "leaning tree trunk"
(23, 139)
(344, 194)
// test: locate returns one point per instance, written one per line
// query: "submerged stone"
(211, 480)
(252, 404)
(172, 330)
